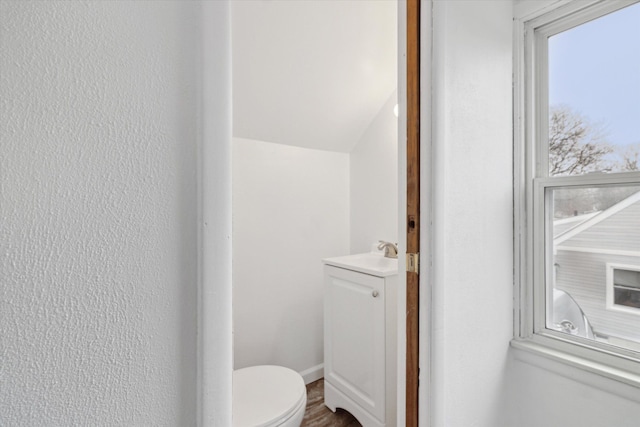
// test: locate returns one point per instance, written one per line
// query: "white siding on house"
(583, 276)
(582, 254)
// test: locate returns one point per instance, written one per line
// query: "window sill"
(597, 374)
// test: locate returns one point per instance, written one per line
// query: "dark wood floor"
(318, 415)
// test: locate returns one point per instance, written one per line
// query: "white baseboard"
(312, 374)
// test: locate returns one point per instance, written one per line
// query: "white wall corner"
(215, 361)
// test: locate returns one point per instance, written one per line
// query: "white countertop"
(371, 263)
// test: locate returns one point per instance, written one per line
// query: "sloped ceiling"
(311, 73)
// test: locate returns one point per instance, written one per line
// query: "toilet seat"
(266, 396)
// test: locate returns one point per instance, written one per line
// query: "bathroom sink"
(371, 263)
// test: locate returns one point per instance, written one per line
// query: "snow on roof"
(565, 224)
(595, 219)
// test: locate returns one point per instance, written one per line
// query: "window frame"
(531, 182)
(610, 286)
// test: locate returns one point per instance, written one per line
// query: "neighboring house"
(597, 259)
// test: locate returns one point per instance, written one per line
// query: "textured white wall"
(290, 210)
(98, 213)
(374, 181)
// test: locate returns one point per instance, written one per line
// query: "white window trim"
(609, 296)
(598, 251)
(531, 160)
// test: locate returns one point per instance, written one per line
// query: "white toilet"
(268, 396)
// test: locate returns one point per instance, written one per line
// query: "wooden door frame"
(413, 57)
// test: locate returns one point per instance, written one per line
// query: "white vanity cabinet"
(360, 339)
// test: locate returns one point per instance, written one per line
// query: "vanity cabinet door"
(355, 337)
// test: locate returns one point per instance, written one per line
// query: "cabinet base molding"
(334, 398)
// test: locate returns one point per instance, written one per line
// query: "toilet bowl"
(268, 396)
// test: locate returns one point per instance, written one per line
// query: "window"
(578, 186)
(623, 288)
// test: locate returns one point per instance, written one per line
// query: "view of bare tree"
(630, 159)
(576, 147)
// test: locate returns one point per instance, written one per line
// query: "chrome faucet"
(390, 250)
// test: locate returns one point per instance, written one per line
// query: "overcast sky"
(595, 69)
